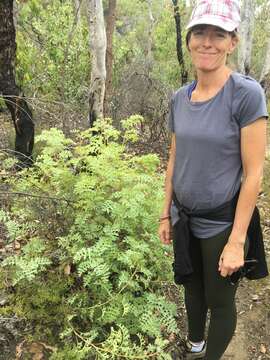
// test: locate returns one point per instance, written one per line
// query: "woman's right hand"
(165, 232)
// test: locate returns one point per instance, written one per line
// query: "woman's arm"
(165, 225)
(253, 146)
(168, 180)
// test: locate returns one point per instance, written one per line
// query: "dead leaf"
(263, 349)
(255, 297)
(19, 350)
(67, 269)
(16, 245)
(36, 350)
(172, 337)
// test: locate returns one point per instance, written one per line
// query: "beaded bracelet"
(164, 218)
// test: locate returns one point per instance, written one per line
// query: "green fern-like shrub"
(90, 269)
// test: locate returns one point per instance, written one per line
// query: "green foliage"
(261, 35)
(52, 63)
(13, 228)
(91, 264)
(28, 264)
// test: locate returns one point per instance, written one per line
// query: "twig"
(36, 196)
(100, 350)
(119, 292)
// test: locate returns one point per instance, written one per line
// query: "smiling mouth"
(206, 53)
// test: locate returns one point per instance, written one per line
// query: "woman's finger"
(168, 235)
(164, 237)
(224, 273)
(220, 263)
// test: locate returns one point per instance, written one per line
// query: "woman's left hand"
(232, 258)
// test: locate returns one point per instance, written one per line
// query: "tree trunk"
(149, 55)
(180, 56)
(110, 26)
(98, 45)
(246, 36)
(14, 98)
(77, 9)
(265, 73)
(266, 66)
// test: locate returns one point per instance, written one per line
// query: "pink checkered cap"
(222, 13)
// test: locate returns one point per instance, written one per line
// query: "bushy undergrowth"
(89, 271)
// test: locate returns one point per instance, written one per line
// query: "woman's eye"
(198, 33)
(221, 35)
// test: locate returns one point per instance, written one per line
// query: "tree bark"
(149, 55)
(13, 96)
(265, 73)
(77, 9)
(246, 36)
(266, 66)
(179, 49)
(98, 44)
(110, 26)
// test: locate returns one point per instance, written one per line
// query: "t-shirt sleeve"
(249, 103)
(170, 117)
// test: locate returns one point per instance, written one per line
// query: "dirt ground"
(252, 337)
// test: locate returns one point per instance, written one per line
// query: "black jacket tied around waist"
(182, 266)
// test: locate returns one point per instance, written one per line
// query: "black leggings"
(209, 290)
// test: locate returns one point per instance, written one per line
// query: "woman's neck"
(208, 81)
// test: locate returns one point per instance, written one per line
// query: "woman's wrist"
(237, 238)
(164, 218)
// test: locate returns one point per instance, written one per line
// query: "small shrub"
(91, 265)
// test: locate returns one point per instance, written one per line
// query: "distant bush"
(90, 266)
(52, 65)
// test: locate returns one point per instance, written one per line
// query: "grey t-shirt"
(208, 167)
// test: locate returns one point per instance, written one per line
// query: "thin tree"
(246, 36)
(266, 66)
(265, 73)
(179, 45)
(77, 9)
(110, 27)
(11, 92)
(98, 44)
(151, 21)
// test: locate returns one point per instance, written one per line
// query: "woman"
(218, 126)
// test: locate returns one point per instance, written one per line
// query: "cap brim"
(228, 26)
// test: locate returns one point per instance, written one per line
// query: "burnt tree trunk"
(12, 94)
(110, 26)
(179, 45)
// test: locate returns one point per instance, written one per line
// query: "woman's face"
(209, 47)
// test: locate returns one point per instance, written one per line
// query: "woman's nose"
(207, 41)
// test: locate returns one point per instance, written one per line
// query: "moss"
(42, 303)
